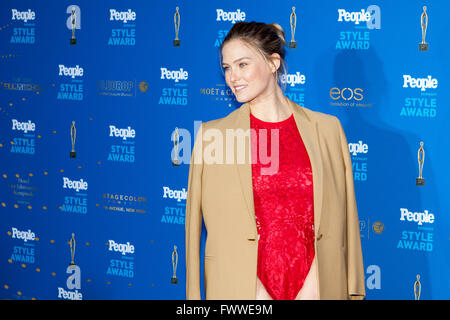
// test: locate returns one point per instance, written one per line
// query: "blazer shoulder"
(320, 117)
(223, 122)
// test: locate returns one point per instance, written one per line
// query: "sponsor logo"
(74, 184)
(126, 151)
(23, 15)
(73, 90)
(125, 36)
(123, 16)
(174, 214)
(24, 235)
(359, 160)
(422, 83)
(356, 39)
(124, 203)
(123, 267)
(423, 104)
(232, 16)
(25, 253)
(26, 142)
(76, 203)
(23, 126)
(175, 75)
(348, 97)
(179, 94)
(120, 247)
(175, 194)
(420, 239)
(27, 33)
(122, 133)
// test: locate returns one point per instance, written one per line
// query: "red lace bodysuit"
(284, 209)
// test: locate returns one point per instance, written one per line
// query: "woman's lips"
(239, 88)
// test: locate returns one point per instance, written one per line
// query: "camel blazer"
(222, 194)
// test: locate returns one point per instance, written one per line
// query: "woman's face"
(246, 71)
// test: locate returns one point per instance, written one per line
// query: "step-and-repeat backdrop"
(94, 93)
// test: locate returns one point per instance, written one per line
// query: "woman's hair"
(266, 38)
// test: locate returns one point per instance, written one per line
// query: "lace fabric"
(284, 209)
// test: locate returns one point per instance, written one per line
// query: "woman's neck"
(271, 106)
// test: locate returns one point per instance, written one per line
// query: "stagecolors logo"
(176, 75)
(122, 133)
(123, 248)
(23, 15)
(418, 217)
(175, 194)
(76, 185)
(422, 83)
(72, 72)
(232, 16)
(23, 235)
(23, 126)
(123, 16)
(293, 79)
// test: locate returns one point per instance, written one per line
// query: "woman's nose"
(234, 75)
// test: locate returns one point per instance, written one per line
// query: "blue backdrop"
(127, 87)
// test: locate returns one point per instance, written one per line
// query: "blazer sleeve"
(355, 266)
(193, 221)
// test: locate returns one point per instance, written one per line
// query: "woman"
(284, 224)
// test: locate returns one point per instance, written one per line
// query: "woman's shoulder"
(222, 122)
(321, 117)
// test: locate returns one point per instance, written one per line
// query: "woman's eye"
(225, 68)
(243, 64)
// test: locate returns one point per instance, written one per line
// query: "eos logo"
(419, 217)
(76, 185)
(120, 247)
(23, 126)
(176, 75)
(293, 79)
(122, 133)
(77, 71)
(230, 16)
(122, 16)
(422, 83)
(24, 235)
(175, 194)
(23, 15)
(346, 94)
(359, 147)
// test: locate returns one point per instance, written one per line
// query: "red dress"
(284, 209)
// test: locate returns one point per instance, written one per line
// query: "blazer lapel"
(310, 139)
(308, 132)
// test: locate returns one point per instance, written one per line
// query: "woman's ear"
(275, 60)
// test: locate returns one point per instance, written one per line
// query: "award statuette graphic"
(176, 141)
(424, 24)
(417, 288)
(174, 279)
(293, 20)
(421, 158)
(73, 40)
(73, 135)
(72, 249)
(176, 20)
